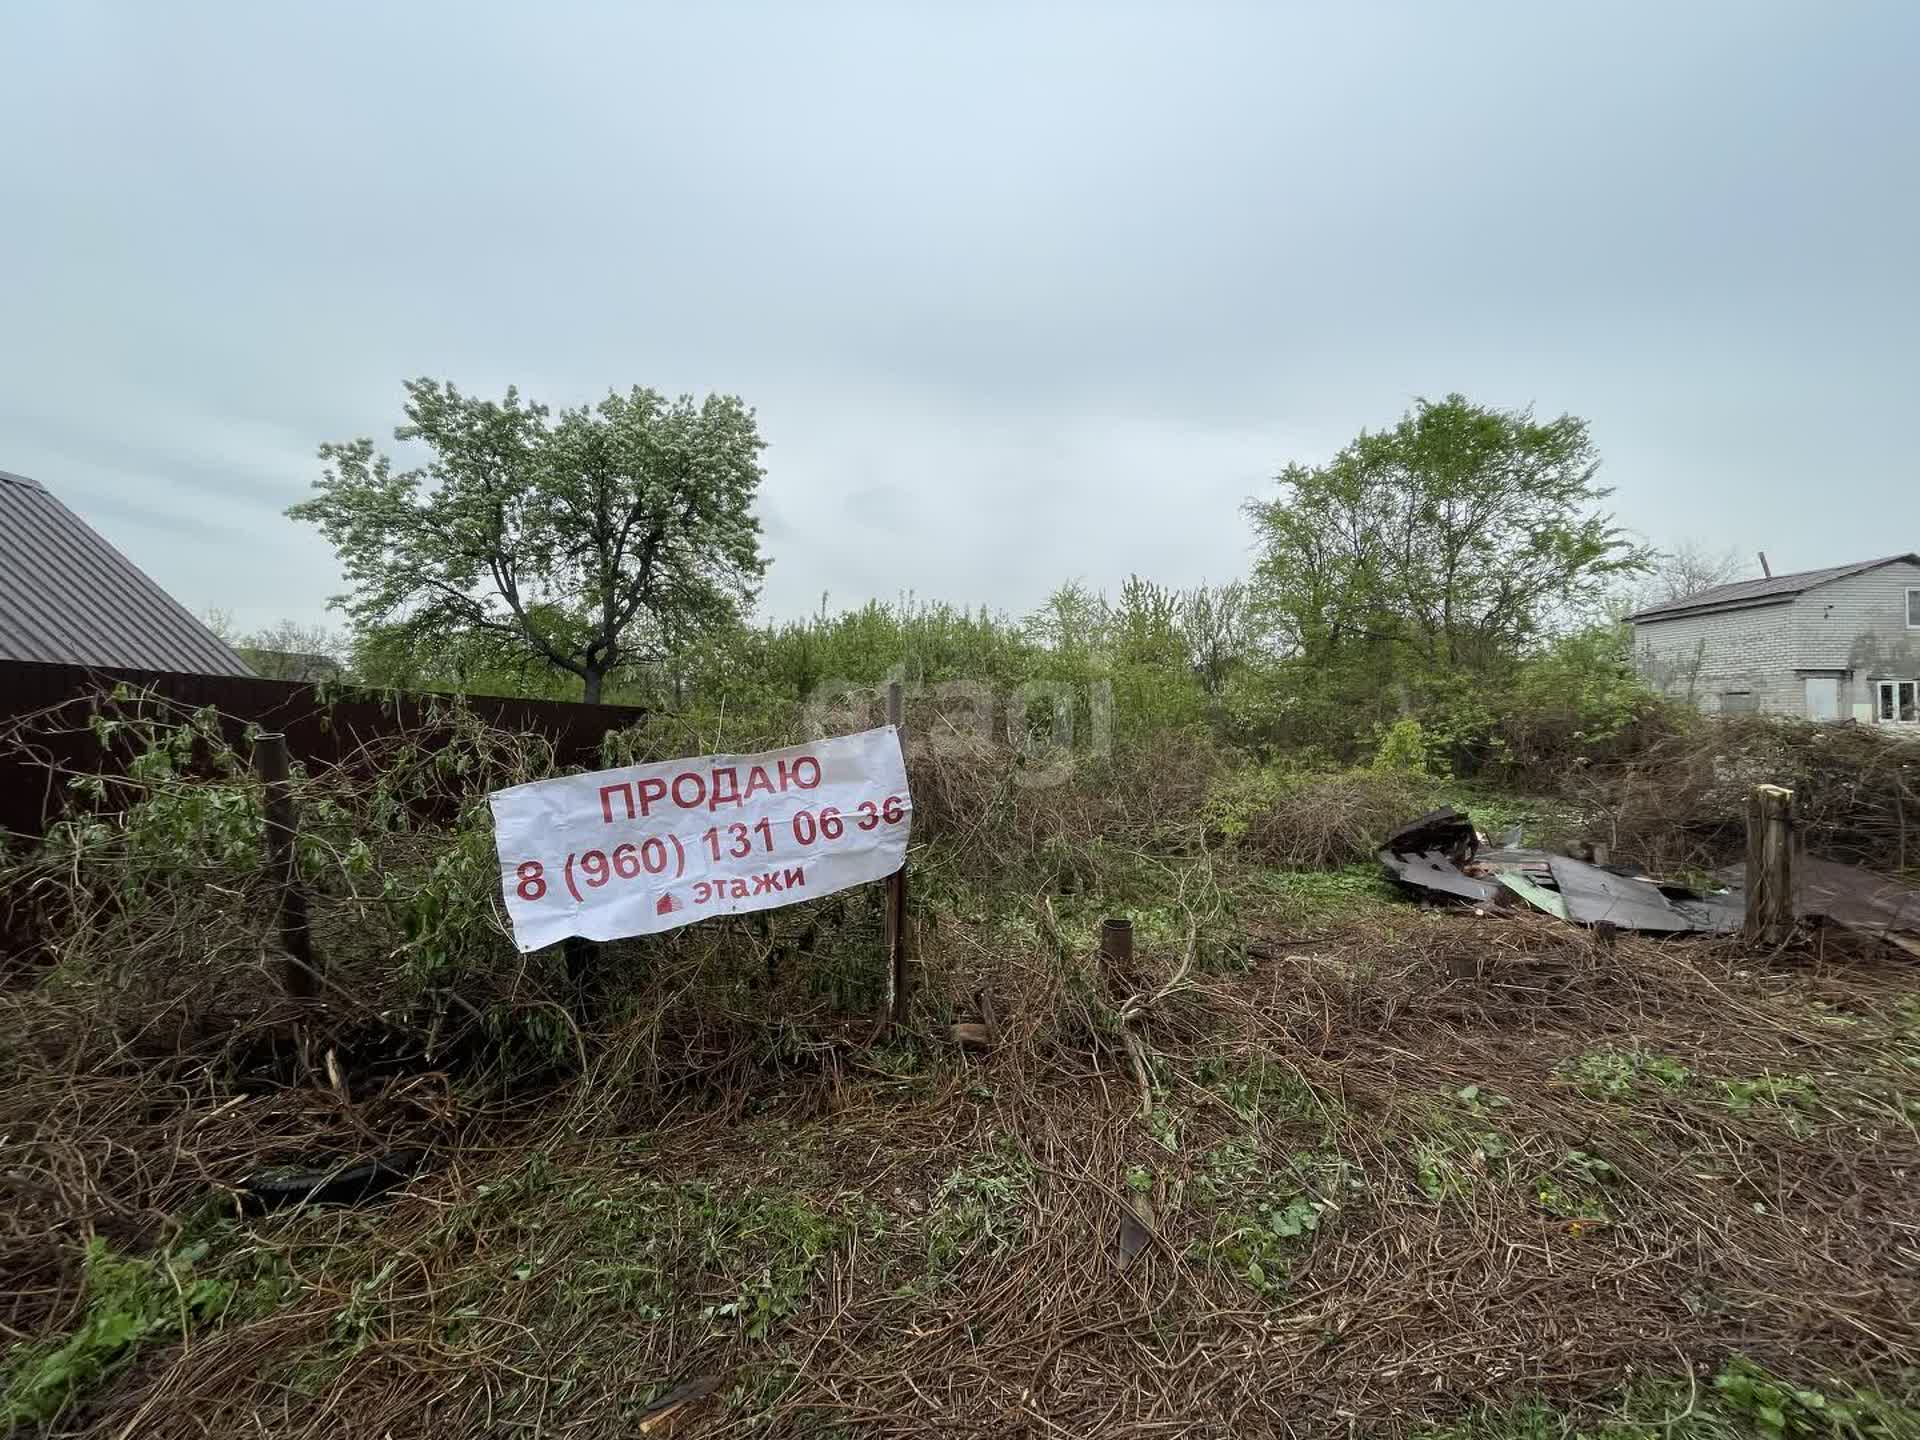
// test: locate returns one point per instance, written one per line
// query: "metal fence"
(323, 723)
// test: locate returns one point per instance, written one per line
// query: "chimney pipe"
(1765, 568)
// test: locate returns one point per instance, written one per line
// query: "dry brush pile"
(1680, 799)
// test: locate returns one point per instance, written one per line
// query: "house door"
(1823, 697)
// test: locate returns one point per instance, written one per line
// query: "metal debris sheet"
(1594, 896)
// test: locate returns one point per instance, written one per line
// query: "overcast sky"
(1020, 292)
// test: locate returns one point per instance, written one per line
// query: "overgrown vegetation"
(1311, 1161)
(687, 1158)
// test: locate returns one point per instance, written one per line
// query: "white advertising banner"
(644, 849)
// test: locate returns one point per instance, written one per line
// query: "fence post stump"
(300, 977)
(1769, 865)
(897, 884)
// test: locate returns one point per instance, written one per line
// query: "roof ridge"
(1820, 570)
(1767, 587)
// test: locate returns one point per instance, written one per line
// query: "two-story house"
(1835, 644)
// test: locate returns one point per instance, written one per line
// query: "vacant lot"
(1390, 1170)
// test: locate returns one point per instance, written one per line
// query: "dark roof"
(69, 597)
(1769, 591)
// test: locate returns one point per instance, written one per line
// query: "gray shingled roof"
(1771, 590)
(69, 597)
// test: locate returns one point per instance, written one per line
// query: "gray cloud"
(1020, 292)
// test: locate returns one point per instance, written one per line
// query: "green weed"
(1743, 1402)
(756, 1251)
(1776, 1090)
(131, 1301)
(1329, 894)
(979, 1211)
(1164, 1129)
(1260, 1090)
(580, 1244)
(1622, 1074)
(1259, 1247)
(1459, 1147)
(1480, 1103)
(773, 1244)
(1572, 1190)
(1440, 1172)
(1264, 1218)
(1496, 812)
(1788, 1096)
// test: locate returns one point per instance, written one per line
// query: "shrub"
(1402, 749)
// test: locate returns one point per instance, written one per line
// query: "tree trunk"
(593, 679)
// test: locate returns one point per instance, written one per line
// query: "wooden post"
(1116, 942)
(897, 883)
(301, 974)
(1769, 865)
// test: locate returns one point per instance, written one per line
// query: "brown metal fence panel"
(322, 723)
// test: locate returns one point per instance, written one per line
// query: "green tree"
(1463, 533)
(593, 540)
(475, 662)
(1214, 622)
(289, 650)
(1434, 554)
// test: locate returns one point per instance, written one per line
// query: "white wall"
(1854, 628)
(1701, 658)
(1859, 625)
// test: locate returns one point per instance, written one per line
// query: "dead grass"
(779, 1205)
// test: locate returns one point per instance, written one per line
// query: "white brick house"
(1835, 644)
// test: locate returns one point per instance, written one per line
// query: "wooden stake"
(897, 885)
(301, 973)
(1769, 865)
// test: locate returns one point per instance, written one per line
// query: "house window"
(1913, 607)
(1737, 702)
(1896, 701)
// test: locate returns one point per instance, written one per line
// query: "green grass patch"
(1342, 893)
(592, 1252)
(1741, 1402)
